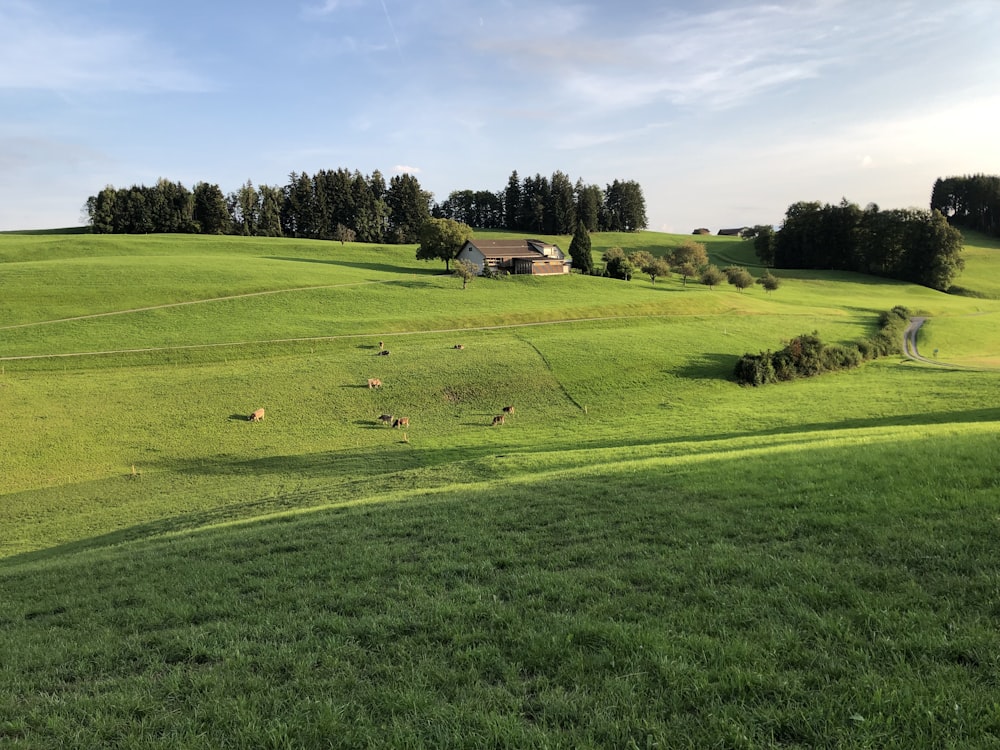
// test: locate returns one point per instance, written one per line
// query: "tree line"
(329, 205)
(911, 244)
(972, 201)
(549, 205)
(349, 206)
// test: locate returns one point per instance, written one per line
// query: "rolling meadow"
(644, 554)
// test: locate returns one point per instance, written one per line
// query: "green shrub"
(755, 369)
(806, 356)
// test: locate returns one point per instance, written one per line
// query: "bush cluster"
(806, 355)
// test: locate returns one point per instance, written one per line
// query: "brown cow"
(381, 345)
(385, 419)
(498, 419)
(402, 422)
(257, 416)
(508, 410)
(374, 383)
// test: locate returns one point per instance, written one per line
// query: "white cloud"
(403, 169)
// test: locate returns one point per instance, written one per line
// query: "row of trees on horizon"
(972, 201)
(349, 206)
(914, 245)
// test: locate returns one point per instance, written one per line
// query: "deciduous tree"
(441, 239)
(616, 264)
(656, 268)
(466, 270)
(712, 276)
(739, 278)
(769, 281)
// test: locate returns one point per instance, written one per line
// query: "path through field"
(910, 350)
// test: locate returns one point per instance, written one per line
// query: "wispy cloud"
(404, 169)
(45, 52)
(327, 7)
(715, 59)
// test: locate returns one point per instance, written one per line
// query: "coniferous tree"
(579, 250)
(272, 198)
(512, 202)
(211, 214)
(409, 207)
(588, 205)
(562, 205)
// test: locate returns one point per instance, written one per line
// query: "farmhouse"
(515, 256)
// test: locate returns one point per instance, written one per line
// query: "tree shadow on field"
(709, 365)
(372, 266)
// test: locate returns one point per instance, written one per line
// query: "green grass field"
(644, 555)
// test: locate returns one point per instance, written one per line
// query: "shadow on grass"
(349, 477)
(709, 365)
(372, 266)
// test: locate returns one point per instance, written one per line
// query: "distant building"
(731, 232)
(515, 256)
(701, 230)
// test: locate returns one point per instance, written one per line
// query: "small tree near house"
(466, 270)
(441, 239)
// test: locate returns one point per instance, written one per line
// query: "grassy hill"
(645, 554)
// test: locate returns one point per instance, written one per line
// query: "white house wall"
(474, 255)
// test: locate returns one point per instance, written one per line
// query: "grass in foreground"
(720, 602)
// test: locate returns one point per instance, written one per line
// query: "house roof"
(513, 248)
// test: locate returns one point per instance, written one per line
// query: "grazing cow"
(384, 353)
(402, 422)
(257, 416)
(498, 419)
(459, 346)
(374, 383)
(386, 418)
(508, 410)
(381, 346)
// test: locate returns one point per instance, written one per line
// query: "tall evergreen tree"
(562, 205)
(589, 199)
(301, 214)
(512, 202)
(245, 212)
(579, 250)
(211, 214)
(272, 198)
(409, 207)
(624, 207)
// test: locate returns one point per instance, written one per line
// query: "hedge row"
(806, 356)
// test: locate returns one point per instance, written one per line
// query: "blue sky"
(724, 112)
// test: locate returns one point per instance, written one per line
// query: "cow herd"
(389, 419)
